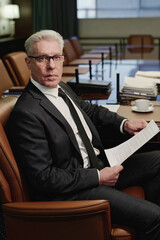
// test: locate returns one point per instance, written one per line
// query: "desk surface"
(126, 111)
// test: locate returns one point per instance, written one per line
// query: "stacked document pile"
(153, 75)
(143, 85)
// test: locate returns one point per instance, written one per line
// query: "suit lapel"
(49, 107)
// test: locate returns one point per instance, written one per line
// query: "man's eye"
(41, 59)
(57, 57)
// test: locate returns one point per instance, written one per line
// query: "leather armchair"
(5, 80)
(71, 56)
(140, 44)
(90, 55)
(61, 220)
(17, 68)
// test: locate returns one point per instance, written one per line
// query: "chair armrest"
(58, 220)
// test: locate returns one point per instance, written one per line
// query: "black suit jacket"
(45, 146)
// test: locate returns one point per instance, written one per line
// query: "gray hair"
(43, 34)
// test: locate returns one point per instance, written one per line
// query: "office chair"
(71, 56)
(17, 68)
(140, 43)
(5, 80)
(69, 220)
(80, 53)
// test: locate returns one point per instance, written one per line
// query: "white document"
(117, 155)
(112, 107)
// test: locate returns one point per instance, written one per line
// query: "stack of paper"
(152, 75)
(140, 86)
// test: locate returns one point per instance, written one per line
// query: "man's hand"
(134, 126)
(109, 175)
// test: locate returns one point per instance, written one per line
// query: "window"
(118, 8)
(86, 8)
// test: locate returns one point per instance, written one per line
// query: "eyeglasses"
(46, 59)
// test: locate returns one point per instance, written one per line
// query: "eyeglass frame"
(48, 58)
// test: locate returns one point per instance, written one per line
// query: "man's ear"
(27, 60)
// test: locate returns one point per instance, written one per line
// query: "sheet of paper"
(112, 107)
(117, 155)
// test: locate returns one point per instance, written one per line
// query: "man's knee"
(152, 222)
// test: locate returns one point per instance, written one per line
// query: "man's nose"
(51, 63)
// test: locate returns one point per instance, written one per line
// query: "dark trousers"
(141, 169)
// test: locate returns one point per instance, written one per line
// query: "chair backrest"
(5, 80)
(136, 39)
(12, 185)
(69, 51)
(76, 45)
(139, 40)
(17, 68)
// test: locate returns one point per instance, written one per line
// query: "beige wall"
(118, 27)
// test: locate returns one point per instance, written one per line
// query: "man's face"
(47, 73)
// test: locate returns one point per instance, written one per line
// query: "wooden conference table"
(126, 111)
